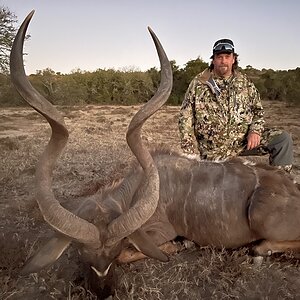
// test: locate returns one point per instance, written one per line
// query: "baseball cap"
(223, 46)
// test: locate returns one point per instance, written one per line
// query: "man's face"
(223, 64)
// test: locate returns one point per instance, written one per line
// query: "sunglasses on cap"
(223, 46)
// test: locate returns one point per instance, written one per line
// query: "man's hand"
(253, 140)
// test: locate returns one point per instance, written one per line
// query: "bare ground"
(96, 154)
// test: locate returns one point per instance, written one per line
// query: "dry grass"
(96, 154)
(206, 273)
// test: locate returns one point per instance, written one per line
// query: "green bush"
(130, 87)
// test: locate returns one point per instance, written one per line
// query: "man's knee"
(283, 140)
(281, 149)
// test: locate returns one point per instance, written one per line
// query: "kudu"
(223, 204)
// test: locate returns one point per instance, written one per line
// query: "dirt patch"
(97, 154)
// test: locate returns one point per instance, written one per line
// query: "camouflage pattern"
(217, 126)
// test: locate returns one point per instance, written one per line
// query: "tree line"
(127, 87)
(109, 86)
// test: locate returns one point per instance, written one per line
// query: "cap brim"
(221, 52)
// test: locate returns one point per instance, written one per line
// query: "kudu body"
(223, 204)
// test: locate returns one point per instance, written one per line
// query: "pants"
(279, 145)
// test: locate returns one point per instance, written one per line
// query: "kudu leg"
(131, 255)
(266, 248)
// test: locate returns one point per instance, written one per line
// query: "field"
(96, 154)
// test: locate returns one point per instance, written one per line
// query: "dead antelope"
(223, 204)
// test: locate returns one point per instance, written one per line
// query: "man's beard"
(223, 70)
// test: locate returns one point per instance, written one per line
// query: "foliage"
(99, 87)
(8, 95)
(277, 85)
(127, 87)
(7, 34)
(182, 78)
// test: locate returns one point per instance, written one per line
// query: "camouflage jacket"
(217, 125)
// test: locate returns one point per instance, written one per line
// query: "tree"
(183, 76)
(194, 67)
(7, 34)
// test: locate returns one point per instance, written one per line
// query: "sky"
(92, 34)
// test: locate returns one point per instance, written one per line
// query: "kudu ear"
(143, 243)
(46, 256)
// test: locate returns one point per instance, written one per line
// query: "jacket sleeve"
(257, 124)
(186, 122)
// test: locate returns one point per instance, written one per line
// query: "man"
(222, 115)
